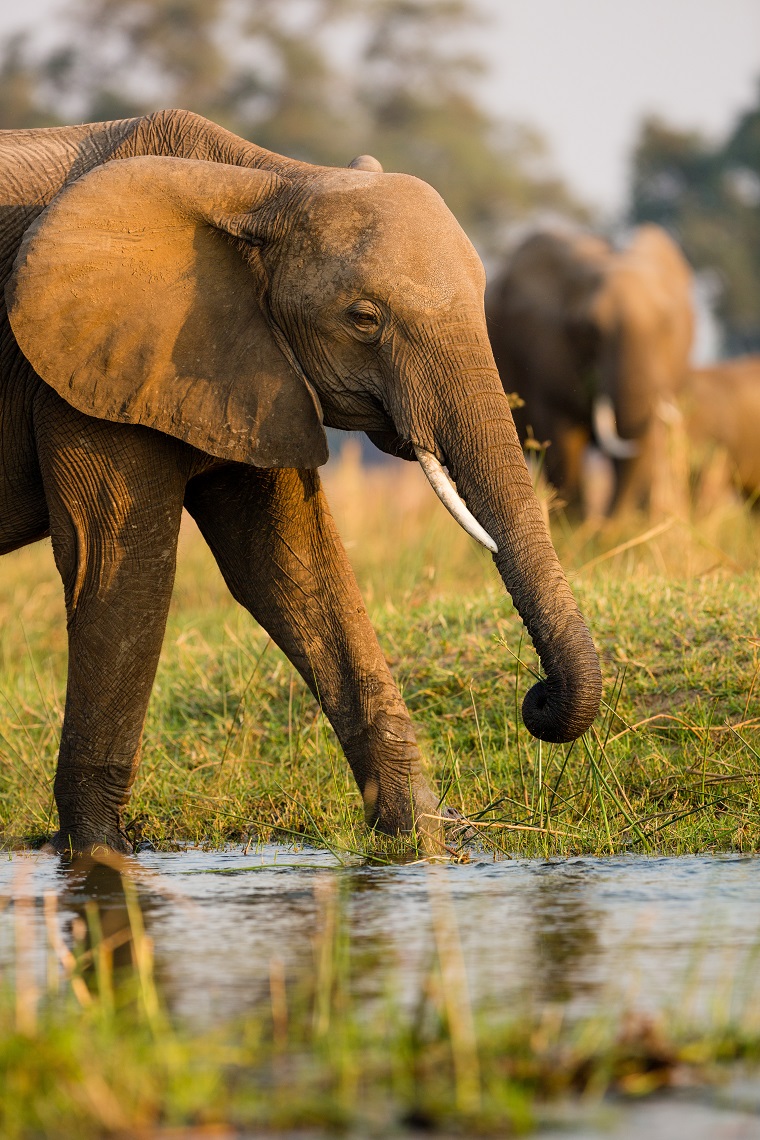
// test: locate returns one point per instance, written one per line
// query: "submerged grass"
(235, 747)
(92, 1051)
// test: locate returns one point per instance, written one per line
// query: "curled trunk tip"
(557, 713)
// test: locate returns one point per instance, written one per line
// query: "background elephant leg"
(115, 498)
(564, 455)
(633, 478)
(572, 440)
(276, 544)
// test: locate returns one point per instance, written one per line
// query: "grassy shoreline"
(236, 747)
(236, 750)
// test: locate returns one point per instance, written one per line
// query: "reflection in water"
(93, 895)
(563, 928)
(231, 926)
(231, 930)
(375, 954)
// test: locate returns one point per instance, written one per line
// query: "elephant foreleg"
(114, 494)
(572, 440)
(276, 544)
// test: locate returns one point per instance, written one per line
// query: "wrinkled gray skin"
(181, 321)
(572, 319)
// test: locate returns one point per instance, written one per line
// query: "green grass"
(236, 747)
(94, 1053)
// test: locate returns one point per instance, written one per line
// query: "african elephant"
(722, 406)
(596, 342)
(187, 310)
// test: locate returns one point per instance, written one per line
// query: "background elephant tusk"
(447, 493)
(669, 413)
(605, 429)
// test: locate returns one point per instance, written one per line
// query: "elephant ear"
(134, 297)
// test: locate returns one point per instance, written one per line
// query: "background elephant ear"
(133, 301)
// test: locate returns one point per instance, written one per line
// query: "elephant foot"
(411, 810)
(458, 827)
(69, 843)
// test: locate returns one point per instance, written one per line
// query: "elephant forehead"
(639, 302)
(389, 234)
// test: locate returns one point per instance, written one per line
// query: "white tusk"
(669, 413)
(447, 493)
(605, 428)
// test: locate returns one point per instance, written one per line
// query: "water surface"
(647, 934)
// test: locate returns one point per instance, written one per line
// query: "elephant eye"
(365, 317)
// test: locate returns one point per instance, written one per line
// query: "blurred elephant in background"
(596, 342)
(721, 406)
(185, 313)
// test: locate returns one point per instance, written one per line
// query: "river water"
(678, 936)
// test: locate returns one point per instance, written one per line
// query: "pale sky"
(585, 72)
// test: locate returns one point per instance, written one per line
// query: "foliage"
(20, 104)
(709, 195)
(321, 80)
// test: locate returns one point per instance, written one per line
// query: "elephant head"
(238, 309)
(596, 341)
(642, 317)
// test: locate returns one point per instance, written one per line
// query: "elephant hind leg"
(115, 497)
(23, 520)
(23, 508)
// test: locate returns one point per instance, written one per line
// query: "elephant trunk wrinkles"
(480, 445)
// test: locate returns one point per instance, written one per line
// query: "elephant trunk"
(624, 401)
(476, 437)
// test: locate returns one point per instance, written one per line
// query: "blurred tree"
(258, 68)
(20, 102)
(415, 86)
(274, 71)
(709, 196)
